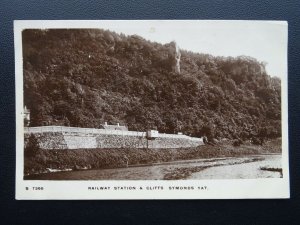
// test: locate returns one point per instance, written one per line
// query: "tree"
(92, 76)
(32, 146)
(208, 131)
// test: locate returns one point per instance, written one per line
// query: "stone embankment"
(56, 137)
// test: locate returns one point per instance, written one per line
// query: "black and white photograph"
(155, 108)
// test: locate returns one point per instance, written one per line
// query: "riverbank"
(45, 161)
(244, 167)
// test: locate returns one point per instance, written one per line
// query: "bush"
(32, 146)
(237, 142)
(257, 141)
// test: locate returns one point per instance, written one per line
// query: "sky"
(266, 41)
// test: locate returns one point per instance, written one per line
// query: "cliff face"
(83, 78)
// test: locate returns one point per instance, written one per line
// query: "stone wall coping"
(85, 131)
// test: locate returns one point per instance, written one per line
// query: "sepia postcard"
(151, 109)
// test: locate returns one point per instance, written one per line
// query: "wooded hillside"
(83, 78)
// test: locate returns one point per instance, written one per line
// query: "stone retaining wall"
(78, 140)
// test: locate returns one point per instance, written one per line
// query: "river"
(247, 167)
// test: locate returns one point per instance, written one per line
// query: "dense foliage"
(86, 77)
(32, 148)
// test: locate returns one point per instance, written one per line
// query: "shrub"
(237, 142)
(257, 141)
(32, 146)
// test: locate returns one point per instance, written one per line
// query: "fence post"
(123, 138)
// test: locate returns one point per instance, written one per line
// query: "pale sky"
(266, 41)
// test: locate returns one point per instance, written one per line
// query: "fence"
(87, 131)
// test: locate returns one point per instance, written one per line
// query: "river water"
(247, 167)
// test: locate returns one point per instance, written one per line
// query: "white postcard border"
(202, 189)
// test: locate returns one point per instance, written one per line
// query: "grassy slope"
(112, 158)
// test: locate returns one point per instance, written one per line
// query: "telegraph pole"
(147, 140)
